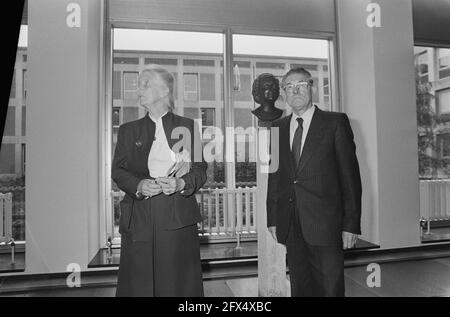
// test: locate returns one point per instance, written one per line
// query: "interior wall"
(398, 183)
(378, 94)
(358, 100)
(62, 136)
(276, 16)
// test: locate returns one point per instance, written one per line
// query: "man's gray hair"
(296, 70)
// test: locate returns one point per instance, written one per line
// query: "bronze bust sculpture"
(265, 91)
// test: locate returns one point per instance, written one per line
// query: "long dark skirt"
(168, 265)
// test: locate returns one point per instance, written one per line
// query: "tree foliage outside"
(427, 121)
(16, 186)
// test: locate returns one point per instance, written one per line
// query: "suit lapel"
(313, 139)
(146, 137)
(169, 125)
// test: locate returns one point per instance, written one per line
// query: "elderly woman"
(154, 165)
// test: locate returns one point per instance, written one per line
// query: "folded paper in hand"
(182, 164)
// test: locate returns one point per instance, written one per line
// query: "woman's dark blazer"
(129, 167)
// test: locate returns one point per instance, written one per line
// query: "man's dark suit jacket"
(325, 190)
(130, 166)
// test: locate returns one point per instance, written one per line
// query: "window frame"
(196, 91)
(443, 137)
(128, 91)
(437, 94)
(106, 217)
(440, 68)
(435, 81)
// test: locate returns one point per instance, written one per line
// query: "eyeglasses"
(291, 87)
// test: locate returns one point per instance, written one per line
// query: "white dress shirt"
(161, 157)
(307, 117)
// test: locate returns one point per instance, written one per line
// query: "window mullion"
(107, 221)
(230, 166)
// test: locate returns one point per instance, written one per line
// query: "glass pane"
(168, 41)
(126, 60)
(433, 111)
(422, 62)
(116, 116)
(444, 52)
(12, 152)
(196, 61)
(443, 100)
(161, 61)
(444, 62)
(191, 112)
(7, 158)
(207, 87)
(446, 146)
(24, 84)
(190, 87)
(130, 114)
(243, 89)
(10, 123)
(444, 73)
(117, 85)
(130, 85)
(274, 55)
(208, 117)
(433, 118)
(12, 93)
(24, 116)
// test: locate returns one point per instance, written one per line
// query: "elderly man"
(314, 198)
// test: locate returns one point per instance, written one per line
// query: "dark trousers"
(166, 266)
(314, 271)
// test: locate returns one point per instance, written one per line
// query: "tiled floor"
(427, 278)
(410, 278)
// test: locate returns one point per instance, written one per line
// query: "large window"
(254, 55)
(12, 152)
(218, 96)
(433, 111)
(433, 127)
(196, 61)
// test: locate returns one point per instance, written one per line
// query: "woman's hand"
(149, 188)
(170, 185)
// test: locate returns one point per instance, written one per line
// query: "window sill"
(5, 248)
(214, 253)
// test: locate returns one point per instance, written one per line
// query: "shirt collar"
(156, 120)
(306, 116)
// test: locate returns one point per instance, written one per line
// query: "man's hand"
(273, 232)
(149, 188)
(348, 239)
(170, 185)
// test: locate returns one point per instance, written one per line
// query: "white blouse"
(161, 157)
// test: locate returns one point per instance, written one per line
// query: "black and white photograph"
(225, 153)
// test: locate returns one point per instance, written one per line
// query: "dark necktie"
(297, 142)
